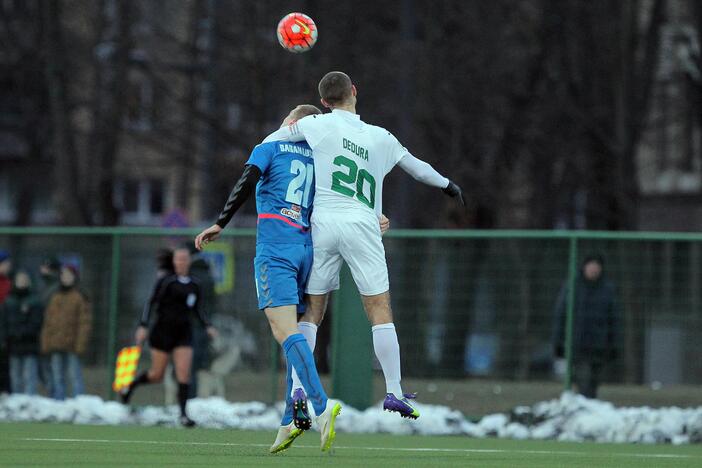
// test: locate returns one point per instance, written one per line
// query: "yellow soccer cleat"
(326, 423)
(286, 436)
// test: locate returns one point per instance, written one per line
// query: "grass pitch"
(34, 444)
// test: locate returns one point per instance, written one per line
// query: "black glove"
(454, 191)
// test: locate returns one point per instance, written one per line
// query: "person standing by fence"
(5, 287)
(175, 300)
(47, 286)
(596, 325)
(66, 331)
(200, 271)
(22, 315)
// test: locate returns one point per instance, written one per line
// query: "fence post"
(112, 313)
(352, 346)
(570, 309)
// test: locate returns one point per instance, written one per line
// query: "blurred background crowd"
(550, 113)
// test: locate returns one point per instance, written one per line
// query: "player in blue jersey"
(283, 175)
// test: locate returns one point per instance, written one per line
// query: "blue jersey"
(285, 192)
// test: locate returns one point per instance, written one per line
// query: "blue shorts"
(282, 271)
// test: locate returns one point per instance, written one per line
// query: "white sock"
(387, 350)
(309, 330)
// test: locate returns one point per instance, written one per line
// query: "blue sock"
(288, 413)
(299, 355)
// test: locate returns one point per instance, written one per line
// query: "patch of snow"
(570, 417)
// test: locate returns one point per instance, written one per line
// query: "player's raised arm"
(423, 172)
(239, 194)
(296, 128)
(286, 133)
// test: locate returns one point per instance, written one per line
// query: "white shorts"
(355, 239)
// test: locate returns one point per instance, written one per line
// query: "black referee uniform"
(174, 299)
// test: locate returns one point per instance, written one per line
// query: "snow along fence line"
(568, 418)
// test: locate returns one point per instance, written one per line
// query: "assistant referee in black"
(175, 299)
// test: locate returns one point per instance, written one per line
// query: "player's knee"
(313, 316)
(316, 307)
(378, 308)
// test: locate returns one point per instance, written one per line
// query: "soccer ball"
(297, 33)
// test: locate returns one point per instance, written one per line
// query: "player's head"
(303, 110)
(181, 260)
(336, 90)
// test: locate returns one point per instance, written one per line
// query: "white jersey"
(351, 159)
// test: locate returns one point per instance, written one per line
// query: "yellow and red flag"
(126, 367)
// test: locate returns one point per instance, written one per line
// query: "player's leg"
(323, 278)
(287, 432)
(277, 268)
(283, 322)
(363, 250)
(316, 308)
(311, 308)
(385, 343)
(182, 361)
(159, 362)
(387, 350)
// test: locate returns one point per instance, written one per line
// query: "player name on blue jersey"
(285, 192)
(295, 148)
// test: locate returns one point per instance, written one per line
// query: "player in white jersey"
(351, 159)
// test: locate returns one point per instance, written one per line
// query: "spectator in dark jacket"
(5, 287)
(22, 318)
(48, 285)
(596, 325)
(49, 281)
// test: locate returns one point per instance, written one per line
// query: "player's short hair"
(335, 87)
(303, 110)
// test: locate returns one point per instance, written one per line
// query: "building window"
(156, 197)
(142, 201)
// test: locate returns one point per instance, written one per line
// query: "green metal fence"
(474, 310)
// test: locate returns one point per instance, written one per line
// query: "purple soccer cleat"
(402, 406)
(301, 415)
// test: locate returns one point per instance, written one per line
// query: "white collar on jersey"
(346, 114)
(184, 279)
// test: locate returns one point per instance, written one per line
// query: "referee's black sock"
(141, 379)
(182, 397)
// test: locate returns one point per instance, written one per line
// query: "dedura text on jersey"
(355, 149)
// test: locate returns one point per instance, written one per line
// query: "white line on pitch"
(396, 449)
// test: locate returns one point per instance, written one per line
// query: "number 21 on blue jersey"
(299, 188)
